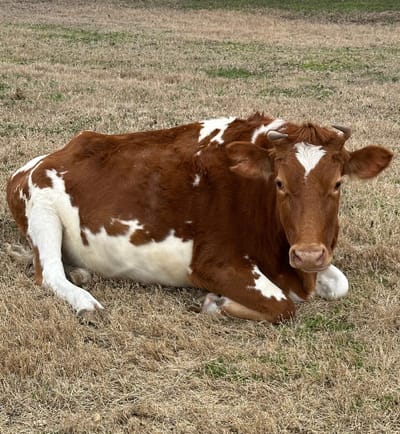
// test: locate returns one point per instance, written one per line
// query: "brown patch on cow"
(15, 187)
(231, 308)
(115, 227)
(140, 237)
(40, 178)
(314, 134)
(37, 265)
(84, 239)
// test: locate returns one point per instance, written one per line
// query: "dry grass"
(149, 364)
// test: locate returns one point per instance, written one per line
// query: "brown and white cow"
(246, 209)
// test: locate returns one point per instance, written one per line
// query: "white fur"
(309, 156)
(267, 288)
(275, 125)
(196, 181)
(211, 125)
(54, 224)
(331, 283)
(29, 165)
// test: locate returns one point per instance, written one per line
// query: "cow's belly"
(166, 262)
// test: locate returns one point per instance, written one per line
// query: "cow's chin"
(313, 270)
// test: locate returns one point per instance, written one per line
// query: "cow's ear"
(248, 160)
(368, 162)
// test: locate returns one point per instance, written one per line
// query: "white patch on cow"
(331, 283)
(165, 262)
(133, 225)
(210, 125)
(275, 125)
(45, 231)
(309, 156)
(29, 165)
(196, 181)
(198, 153)
(267, 288)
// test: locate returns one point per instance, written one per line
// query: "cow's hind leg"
(45, 234)
(76, 275)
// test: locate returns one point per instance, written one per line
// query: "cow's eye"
(338, 185)
(279, 184)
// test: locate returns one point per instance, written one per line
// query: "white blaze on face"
(309, 156)
(267, 288)
(208, 126)
(275, 125)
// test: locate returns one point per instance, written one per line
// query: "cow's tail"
(20, 254)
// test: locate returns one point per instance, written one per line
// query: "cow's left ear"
(368, 162)
(249, 160)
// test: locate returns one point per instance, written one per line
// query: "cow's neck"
(264, 238)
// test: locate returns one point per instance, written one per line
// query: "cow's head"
(307, 163)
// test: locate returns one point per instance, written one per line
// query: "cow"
(246, 209)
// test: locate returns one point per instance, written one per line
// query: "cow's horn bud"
(345, 130)
(276, 135)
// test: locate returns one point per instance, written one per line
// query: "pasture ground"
(148, 364)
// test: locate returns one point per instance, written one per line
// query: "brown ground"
(149, 364)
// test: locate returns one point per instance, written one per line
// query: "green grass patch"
(58, 97)
(311, 6)
(230, 73)
(222, 369)
(83, 36)
(319, 323)
(4, 89)
(318, 91)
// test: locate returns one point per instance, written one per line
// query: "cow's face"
(307, 178)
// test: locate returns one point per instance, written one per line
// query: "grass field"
(149, 364)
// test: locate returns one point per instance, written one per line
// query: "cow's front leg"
(331, 283)
(246, 292)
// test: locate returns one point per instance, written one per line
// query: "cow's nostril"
(307, 256)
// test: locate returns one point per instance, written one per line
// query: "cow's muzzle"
(309, 257)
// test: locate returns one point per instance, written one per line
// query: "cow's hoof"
(331, 284)
(86, 303)
(79, 276)
(213, 303)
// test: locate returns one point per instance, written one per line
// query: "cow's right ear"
(249, 160)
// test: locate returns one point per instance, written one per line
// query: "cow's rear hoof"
(79, 276)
